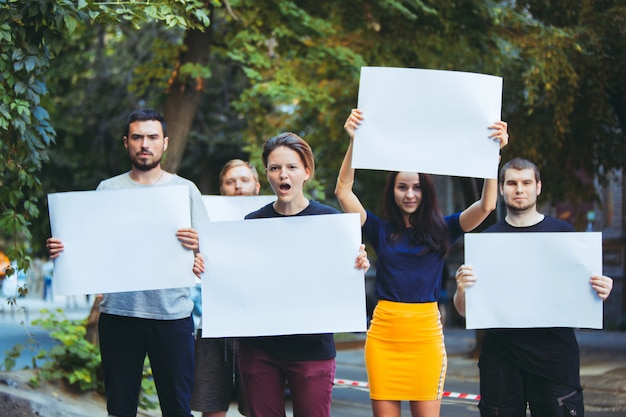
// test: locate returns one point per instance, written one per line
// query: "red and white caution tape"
(348, 382)
(461, 396)
(448, 394)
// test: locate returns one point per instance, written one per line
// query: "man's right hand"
(465, 277)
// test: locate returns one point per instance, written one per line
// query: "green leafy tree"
(311, 68)
(565, 91)
(31, 35)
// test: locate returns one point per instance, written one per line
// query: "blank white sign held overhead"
(428, 121)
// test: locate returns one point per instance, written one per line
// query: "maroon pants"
(310, 384)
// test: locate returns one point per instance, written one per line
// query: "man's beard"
(519, 209)
(145, 167)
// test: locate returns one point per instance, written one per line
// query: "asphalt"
(603, 358)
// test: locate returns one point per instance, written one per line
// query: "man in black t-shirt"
(534, 367)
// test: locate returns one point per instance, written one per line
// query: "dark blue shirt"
(403, 273)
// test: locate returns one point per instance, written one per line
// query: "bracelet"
(344, 184)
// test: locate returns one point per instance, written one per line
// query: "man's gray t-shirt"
(169, 304)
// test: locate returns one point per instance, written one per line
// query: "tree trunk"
(184, 94)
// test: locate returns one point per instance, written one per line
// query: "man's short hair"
(519, 164)
(144, 115)
(233, 163)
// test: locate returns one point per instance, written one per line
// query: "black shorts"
(217, 381)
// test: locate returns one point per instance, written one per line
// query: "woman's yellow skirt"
(405, 355)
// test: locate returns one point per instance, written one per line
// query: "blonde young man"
(239, 178)
(216, 373)
(534, 367)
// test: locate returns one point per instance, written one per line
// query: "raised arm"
(476, 213)
(349, 202)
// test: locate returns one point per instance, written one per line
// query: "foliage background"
(230, 74)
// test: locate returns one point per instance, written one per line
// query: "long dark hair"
(428, 227)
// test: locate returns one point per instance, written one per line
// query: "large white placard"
(224, 208)
(281, 276)
(428, 121)
(121, 240)
(529, 280)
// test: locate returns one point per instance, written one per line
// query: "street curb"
(22, 401)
